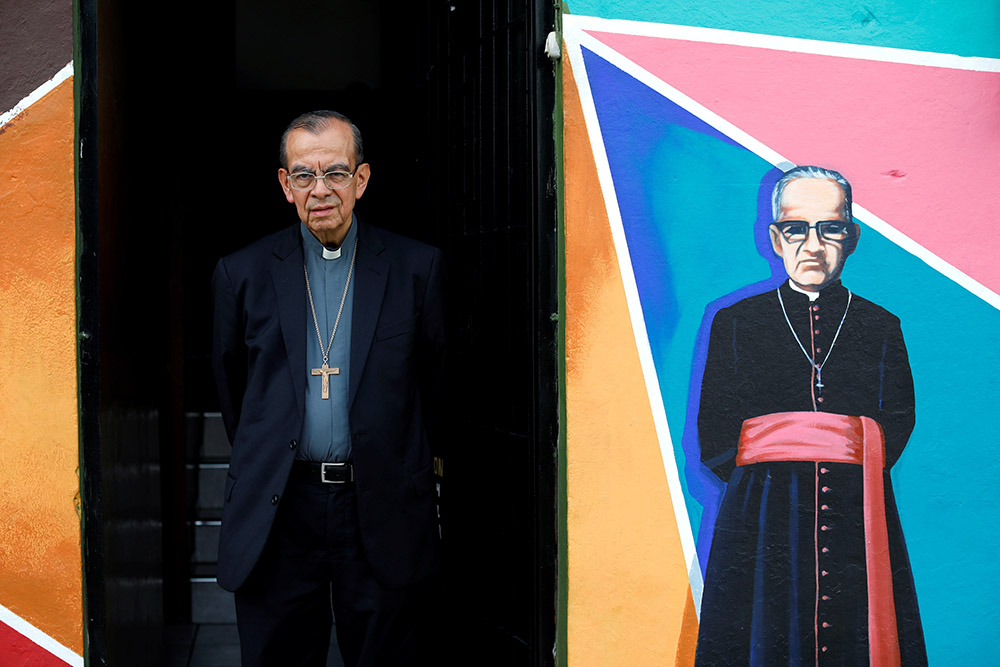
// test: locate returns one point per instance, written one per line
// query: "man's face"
(815, 262)
(325, 211)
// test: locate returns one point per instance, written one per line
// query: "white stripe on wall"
(34, 634)
(37, 93)
(574, 38)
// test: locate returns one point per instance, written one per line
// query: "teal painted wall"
(963, 27)
(947, 473)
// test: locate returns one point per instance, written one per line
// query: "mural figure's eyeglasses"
(335, 180)
(796, 231)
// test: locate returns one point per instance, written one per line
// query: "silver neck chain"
(340, 311)
(809, 358)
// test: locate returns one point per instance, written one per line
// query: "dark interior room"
(186, 104)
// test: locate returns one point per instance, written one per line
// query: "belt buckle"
(337, 465)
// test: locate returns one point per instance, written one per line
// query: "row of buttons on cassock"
(825, 549)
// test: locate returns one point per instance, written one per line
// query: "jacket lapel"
(372, 273)
(290, 290)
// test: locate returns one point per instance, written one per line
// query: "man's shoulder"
(764, 309)
(769, 300)
(871, 311)
(396, 248)
(397, 242)
(749, 306)
(251, 254)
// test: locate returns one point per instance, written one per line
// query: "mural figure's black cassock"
(778, 590)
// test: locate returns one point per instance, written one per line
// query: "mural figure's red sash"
(825, 437)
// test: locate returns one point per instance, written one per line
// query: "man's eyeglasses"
(796, 231)
(335, 180)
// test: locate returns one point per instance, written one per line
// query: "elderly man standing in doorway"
(806, 402)
(329, 357)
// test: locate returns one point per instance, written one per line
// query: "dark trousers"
(313, 557)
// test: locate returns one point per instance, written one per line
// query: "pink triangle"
(918, 143)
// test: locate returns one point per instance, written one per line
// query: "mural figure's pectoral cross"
(326, 372)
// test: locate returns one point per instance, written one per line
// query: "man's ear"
(283, 181)
(775, 239)
(853, 245)
(361, 177)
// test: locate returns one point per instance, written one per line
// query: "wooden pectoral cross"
(326, 372)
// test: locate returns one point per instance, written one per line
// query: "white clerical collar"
(311, 244)
(795, 288)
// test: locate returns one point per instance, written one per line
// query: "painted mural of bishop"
(806, 403)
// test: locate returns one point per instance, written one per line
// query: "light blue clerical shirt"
(326, 434)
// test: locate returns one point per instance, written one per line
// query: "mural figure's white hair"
(809, 171)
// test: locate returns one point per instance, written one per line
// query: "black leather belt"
(328, 473)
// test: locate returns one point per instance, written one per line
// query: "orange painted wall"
(629, 601)
(40, 562)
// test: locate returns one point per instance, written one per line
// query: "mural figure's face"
(325, 211)
(814, 262)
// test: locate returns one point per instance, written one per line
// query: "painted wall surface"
(41, 610)
(671, 134)
(964, 28)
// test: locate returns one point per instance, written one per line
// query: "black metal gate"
(489, 105)
(458, 126)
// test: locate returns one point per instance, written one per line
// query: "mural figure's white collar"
(812, 295)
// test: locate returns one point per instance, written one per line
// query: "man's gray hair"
(808, 171)
(315, 122)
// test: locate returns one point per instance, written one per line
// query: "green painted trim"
(562, 558)
(87, 374)
(77, 89)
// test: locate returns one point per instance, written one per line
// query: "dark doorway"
(455, 101)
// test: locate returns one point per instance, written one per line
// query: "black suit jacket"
(397, 366)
